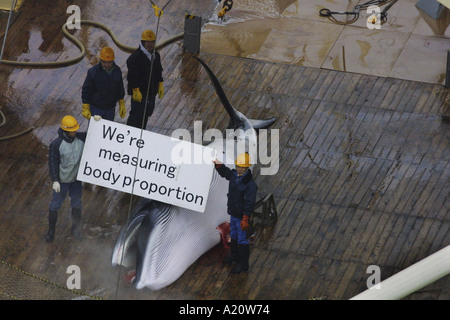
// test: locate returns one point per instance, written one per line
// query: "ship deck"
(363, 177)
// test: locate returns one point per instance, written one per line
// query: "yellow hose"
(82, 48)
(75, 60)
(14, 135)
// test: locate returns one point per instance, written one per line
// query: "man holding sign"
(64, 160)
(241, 200)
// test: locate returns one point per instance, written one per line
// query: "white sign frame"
(140, 162)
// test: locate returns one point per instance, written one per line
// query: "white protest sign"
(123, 158)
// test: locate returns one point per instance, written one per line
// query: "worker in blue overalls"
(241, 201)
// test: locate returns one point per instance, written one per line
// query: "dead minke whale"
(161, 240)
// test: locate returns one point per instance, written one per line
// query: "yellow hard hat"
(69, 123)
(243, 160)
(148, 35)
(107, 54)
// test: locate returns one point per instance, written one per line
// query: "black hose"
(356, 11)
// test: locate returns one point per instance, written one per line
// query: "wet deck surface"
(363, 179)
(293, 32)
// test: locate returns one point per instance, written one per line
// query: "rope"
(45, 281)
(158, 14)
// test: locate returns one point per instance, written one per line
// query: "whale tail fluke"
(262, 124)
(236, 120)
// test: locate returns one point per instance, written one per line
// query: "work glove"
(137, 95)
(97, 117)
(161, 90)
(244, 222)
(86, 111)
(56, 186)
(122, 109)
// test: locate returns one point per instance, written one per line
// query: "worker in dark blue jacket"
(64, 160)
(103, 88)
(145, 80)
(241, 201)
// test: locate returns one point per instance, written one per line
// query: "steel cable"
(153, 55)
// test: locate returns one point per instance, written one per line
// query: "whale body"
(161, 240)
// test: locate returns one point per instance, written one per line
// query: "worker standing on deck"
(103, 88)
(145, 80)
(241, 201)
(64, 160)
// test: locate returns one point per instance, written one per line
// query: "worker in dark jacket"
(103, 88)
(143, 86)
(241, 201)
(64, 160)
